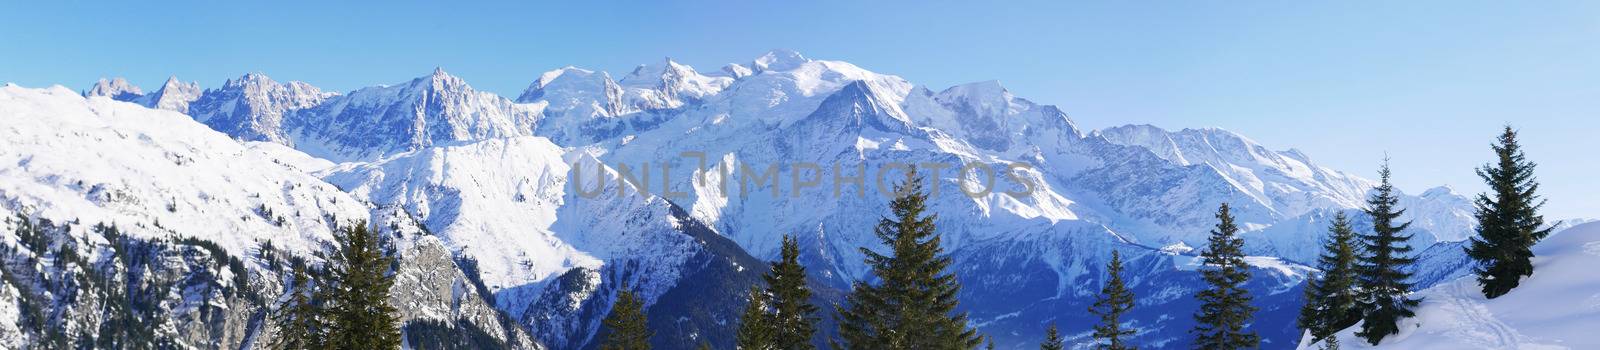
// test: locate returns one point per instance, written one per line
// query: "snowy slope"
(156, 174)
(201, 219)
(1556, 308)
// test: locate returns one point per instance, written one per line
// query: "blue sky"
(1428, 83)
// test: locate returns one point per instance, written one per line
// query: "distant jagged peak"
(173, 83)
(650, 75)
(864, 106)
(568, 72)
(736, 71)
(174, 95)
(116, 88)
(1442, 191)
(258, 88)
(249, 79)
(779, 60)
(988, 97)
(439, 80)
(570, 86)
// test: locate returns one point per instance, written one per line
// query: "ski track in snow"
(1478, 322)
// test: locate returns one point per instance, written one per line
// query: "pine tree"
(1114, 302)
(913, 306)
(1331, 300)
(361, 315)
(1225, 308)
(756, 331)
(1332, 343)
(298, 320)
(1052, 339)
(792, 313)
(1509, 223)
(1383, 269)
(627, 327)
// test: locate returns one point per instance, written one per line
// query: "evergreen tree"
(361, 315)
(1383, 269)
(1052, 339)
(298, 320)
(756, 331)
(1115, 300)
(1225, 306)
(1332, 343)
(1331, 301)
(1509, 223)
(626, 326)
(913, 306)
(791, 317)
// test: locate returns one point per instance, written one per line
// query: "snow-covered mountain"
(536, 205)
(437, 109)
(192, 229)
(1556, 308)
(174, 95)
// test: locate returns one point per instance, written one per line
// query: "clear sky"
(1428, 83)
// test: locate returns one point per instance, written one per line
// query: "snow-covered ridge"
(155, 173)
(1556, 308)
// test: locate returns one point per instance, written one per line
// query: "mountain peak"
(1444, 190)
(116, 88)
(249, 79)
(779, 60)
(736, 71)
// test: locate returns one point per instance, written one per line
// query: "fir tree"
(1225, 308)
(791, 316)
(1509, 223)
(1332, 343)
(756, 331)
(1383, 269)
(1114, 302)
(361, 315)
(913, 306)
(627, 327)
(1052, 339)
(298, 320)
(1331, 301)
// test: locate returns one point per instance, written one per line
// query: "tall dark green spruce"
(1052, 339)
(626, 326)
(1509, 223)
(298, 320)
(1115, 300)
(913, 304)
(1331, 300)
(361, 315)
(755, 325)
(1225, 308)
(792, 314)
(1384, 269)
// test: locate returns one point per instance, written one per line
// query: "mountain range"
(518, 220)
